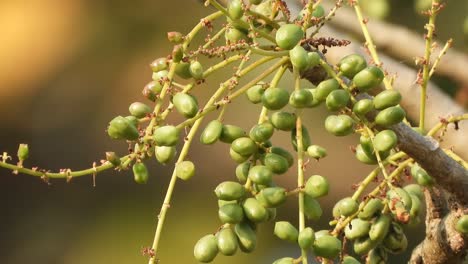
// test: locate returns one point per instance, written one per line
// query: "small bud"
(175, 37)
(177, 53)
(23, 152)
(113, 158)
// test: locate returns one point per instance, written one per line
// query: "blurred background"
(66, 69)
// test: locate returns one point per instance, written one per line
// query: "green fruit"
(313, 59)
(276, 163)
(284, 153)
(385, 140)
(352, 64)
(185, 170)
(415, 189)
(165, 154)
(244, 146)
(222, 203)
(185, 104)
(462, 225)
(234, 9)
(305, 138)
(327, 246)
(378, 9)
(399, 196)
(231, 213)
(362, 156)
(325, 88)
(317, 186)
(368, 148)
(283, 121)
(368, 78)
(377, 256)
(319, 11)
(177, 56)
(306, 238)
(237, 157)
(196, 70)
(206, 249)
(261, 175)
(379, 229)
(254, 211)
(140, 173)
(386, 99)
(415, 206)
(275, 98)
(422, 5)
(314, 101)
(160, 76)
(301, 98)
(286, 231)
(312, 208)
(230, 191)
(159, 64)
(371, 209)
(363, 245)
(234, 35)
(299, 58)
(23, 152)
(341, 125)
(288, 36)
(345, 207)
(395, 242)
(421, 176)
(122, 128)
(337, 100)
(135, 121)
(363, 107)
(262, 132)
(316, 152)
(255, 2)
(231, 133)
(246, 237)
(271, 214)
(255, 93)
(111, 157)
(242, 171)
(139, 110)
(350, 260)
(211, 133)
(166, 136)
(284, 261)
(357, 228)
(272, 197)
(183, 70)
(390, 116)
(227, 242)
(152, 90)
(175, 37)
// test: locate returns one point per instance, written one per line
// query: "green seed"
(462, 225)
(319, 11)
(196, 70)
(378, 9)
(327, 246)
(275, 98)
(244, 146)
(272, 196)
(380, 227)
(246, 237)
(286, 231)
(305, 138)
(399, 196)
(317, 186)
(313, 59)
(386, 99)
(227, 242)
(185, 170)
(235, 9)
(276, 163)
(185, 104)
(301, 98)
(314, 101)
(395, 242)
(350, 260)
(299, 58)
(284, 261)
(206, 249)
(421, 176)
(166, 136)
(368, 78)
(345, 207)
(337, 100)
(255, 93)
(288, 36)
(242, 171)
(306, 238)
(211, 133)
(231, 133)
(183, 70)
(316, 152)
(234, 35)
(312, 208)
(122, 128)
(385, 140)
(261, 175)
(23, 152)
(231, 213)
(352, 64)
(237, 157)
(415, 206)
(363, 107)
(390, 116)
(325, 88)
(371, 209)
(140, 173)
(363, 245)
(284, 153)
(160, 76)
(377, 256)
(341, 125)
(262, 132)
(159, 64)
(415, 189)
(283, 121)
(357, 228)
(175, 37)
(255, 2)
(230, 191)
(254, 211)
(165, 154)
(135, 121)
(362, 156)
(139, 110)
(152, 90)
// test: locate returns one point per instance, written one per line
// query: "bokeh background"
(66, 69)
